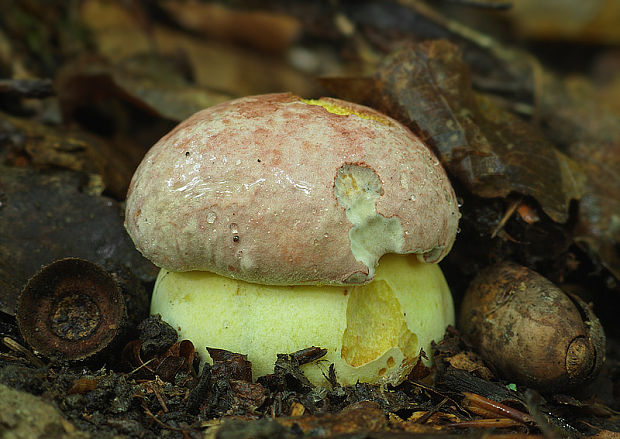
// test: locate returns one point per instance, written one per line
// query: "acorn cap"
(279, 190)
(71, 309)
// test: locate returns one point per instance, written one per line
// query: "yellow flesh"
(371, 332)
(344, 111)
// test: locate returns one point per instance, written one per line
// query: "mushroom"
(270, 217)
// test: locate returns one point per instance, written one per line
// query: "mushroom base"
(371, 332)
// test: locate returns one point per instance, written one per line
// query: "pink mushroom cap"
(277, 190)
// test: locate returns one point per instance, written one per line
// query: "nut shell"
(530, 330)
(71, 309)
(247, 189)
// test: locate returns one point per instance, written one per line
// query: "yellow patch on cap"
(345, 111)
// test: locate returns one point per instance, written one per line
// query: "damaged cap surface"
(275, 189)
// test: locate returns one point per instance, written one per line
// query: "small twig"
(489, 407)
(486, 423)
(436, 392)
(16, 347)
(162, 424)
(161, 401)
(432, 411)
(141, 366)
(509, 212)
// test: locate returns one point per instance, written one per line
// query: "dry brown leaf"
(586, 120)
(44, 146)
(599, 211)
(264, 30)
(594, 21)
(152, 82)
(472, 363)
(216, 66)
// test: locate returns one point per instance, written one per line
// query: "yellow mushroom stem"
(371, 332)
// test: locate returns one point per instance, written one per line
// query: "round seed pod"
(530, 330)
(70, 310)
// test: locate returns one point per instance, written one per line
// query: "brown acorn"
(531, 331)
(71, 309)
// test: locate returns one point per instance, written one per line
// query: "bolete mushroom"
(269, 215)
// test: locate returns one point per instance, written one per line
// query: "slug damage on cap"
(357, 189)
